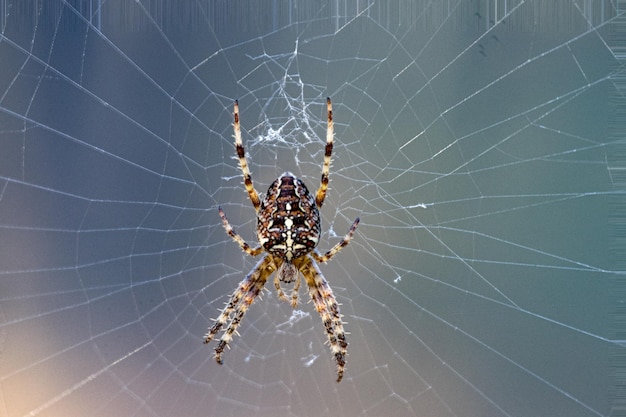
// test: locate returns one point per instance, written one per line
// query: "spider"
(288, 230)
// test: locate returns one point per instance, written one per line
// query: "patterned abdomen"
(288, 220)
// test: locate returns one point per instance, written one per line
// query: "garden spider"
(288, 230)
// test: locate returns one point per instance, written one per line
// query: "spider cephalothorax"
(288, 230)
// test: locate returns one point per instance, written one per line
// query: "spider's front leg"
(238, 304)
(327, 307)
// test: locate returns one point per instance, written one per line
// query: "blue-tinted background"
(480, 142)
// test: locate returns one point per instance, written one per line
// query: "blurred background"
(480, 142)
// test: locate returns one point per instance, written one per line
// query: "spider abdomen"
(288, 222)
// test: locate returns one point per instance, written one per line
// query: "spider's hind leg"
(328, 152)
(243, 162)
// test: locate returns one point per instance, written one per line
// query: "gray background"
(479, 142)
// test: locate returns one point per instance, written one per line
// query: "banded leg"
(328, 309)
(231, 232)
(294, 291)
(279, 290)
(330, 132)
(242, 289)
(333, 308)
(243, 162)
(342, 244)
(238, 304)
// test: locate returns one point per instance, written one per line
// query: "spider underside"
(288, 230)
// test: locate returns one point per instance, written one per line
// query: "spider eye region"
(288, 221)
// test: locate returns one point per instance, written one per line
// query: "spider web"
(480, 142)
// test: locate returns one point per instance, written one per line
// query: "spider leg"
(330, 129)
(327, 307)
(242, 243)
(279, 290)
(342, 243)
(238, 304)
(294, 292)
(243, 162)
